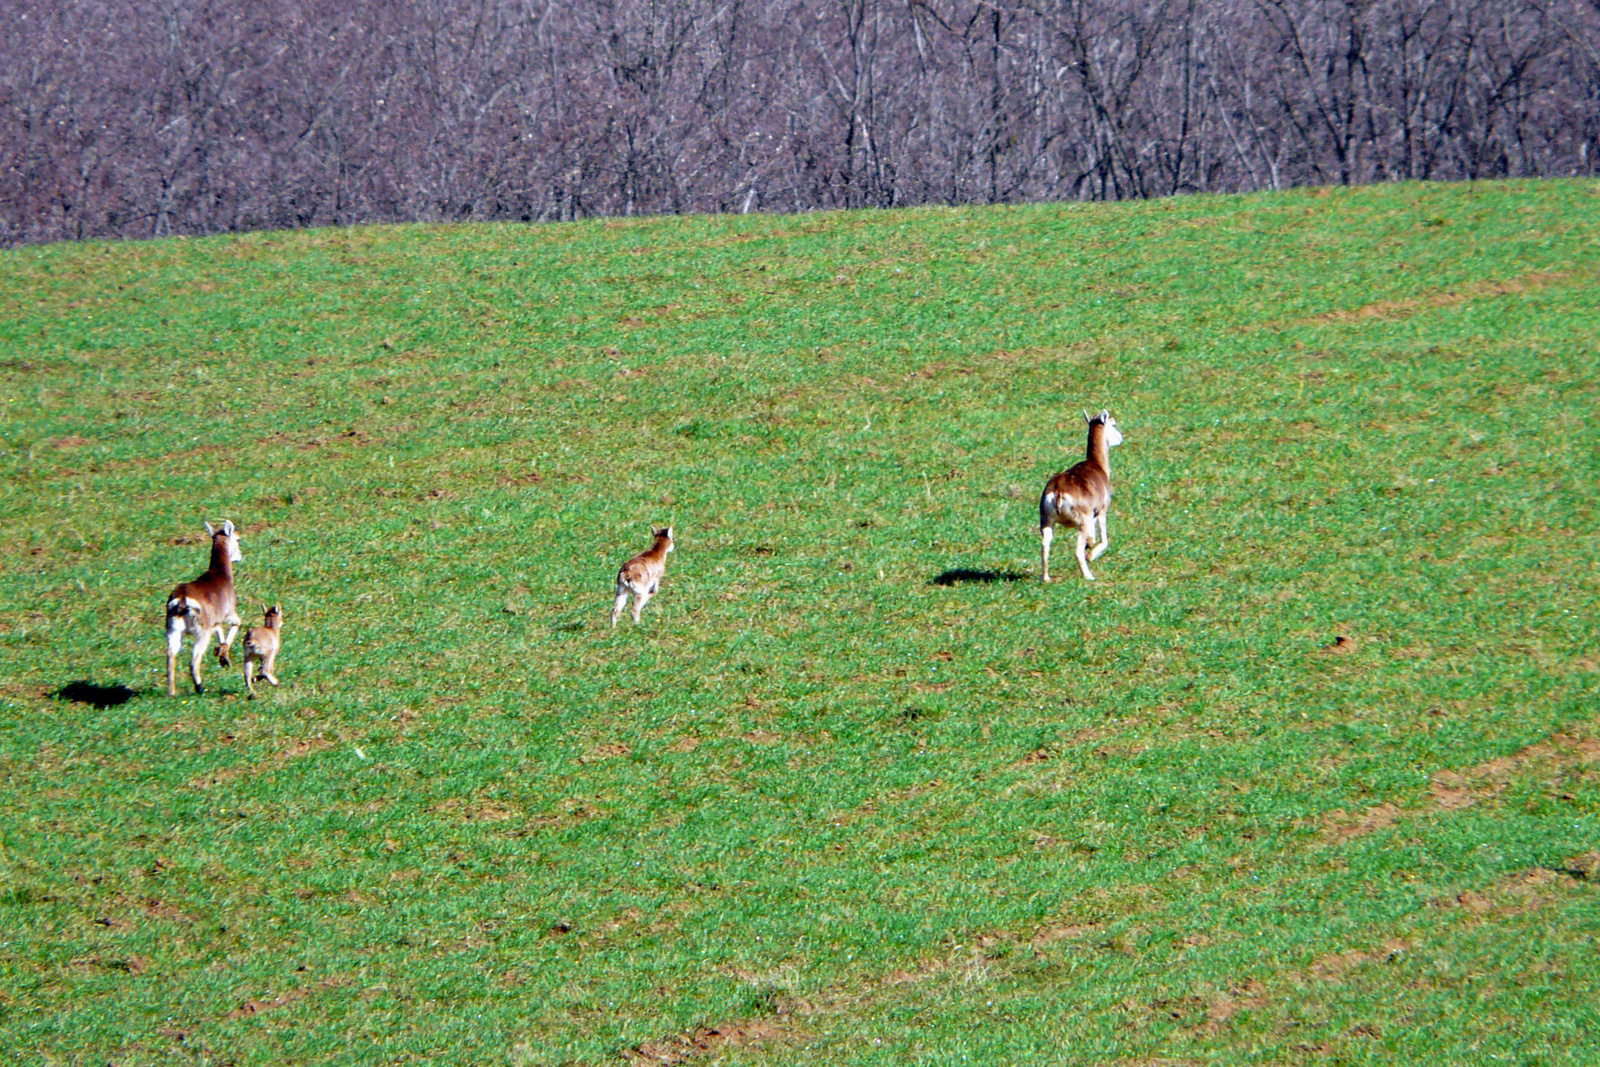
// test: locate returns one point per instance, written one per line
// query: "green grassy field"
(1312, 774)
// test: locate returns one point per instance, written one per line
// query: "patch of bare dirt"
(1585, 866)
(303, 747)
(1401, 309)
(1519, 893)
(572, 810)
(609, 750)
(1450, 791)
(1048, 935)
(161, 909)
(1340, 826)
(476, 811)
(1188, 1010)
(860, 811)
(256, 1007)
(921, 971)
(1553, 760)
(1333, 967)
(709, 1040)
(519, 480)
(1341, 645)
(131, 965)
(1238, 997)
(914, 790)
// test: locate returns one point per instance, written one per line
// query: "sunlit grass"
(1311, 772)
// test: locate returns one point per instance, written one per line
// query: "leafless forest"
(138, 118)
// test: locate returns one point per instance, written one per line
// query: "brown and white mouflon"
(201, 608)
(260, 645)
(1080, 495)
(641, 576)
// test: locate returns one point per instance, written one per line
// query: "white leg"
(174, 645)
(249, 671)
(200, 644)
(1105, 539)
(1083, 542)
(267, 667)
(1046, 534)
(640, 599)
(616, 609)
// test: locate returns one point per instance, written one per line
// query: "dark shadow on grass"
(567, 627)
(963, 575)
(84, 691)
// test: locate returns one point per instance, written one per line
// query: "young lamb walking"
(261, 644)
(202, 607)
(641, 576)
(1080, 495)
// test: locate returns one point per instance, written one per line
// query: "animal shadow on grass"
(963, 575)
(84, 691)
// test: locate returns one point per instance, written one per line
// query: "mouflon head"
(1113, 435)
(227, 531)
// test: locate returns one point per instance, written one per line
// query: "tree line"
(144, 118)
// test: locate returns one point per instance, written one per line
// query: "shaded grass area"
(1310, 774)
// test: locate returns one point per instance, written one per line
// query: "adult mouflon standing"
(1080, 496)
(201, 608)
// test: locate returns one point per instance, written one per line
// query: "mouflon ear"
(227, 527)
(209, 531)
(1105, 414)
(1086, 417)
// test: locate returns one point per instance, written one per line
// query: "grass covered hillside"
(1311, 774)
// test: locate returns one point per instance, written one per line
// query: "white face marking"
(1113, 435)
(234, 555)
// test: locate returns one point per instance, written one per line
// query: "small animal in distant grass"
(261, 645)
(200, 608)
(641, 576)
(1080, 496)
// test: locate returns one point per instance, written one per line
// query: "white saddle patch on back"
(183, 617)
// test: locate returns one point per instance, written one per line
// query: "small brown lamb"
(641, 576)
(261, 646)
